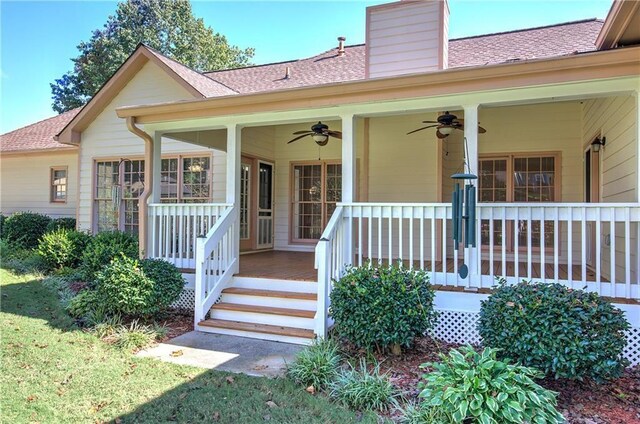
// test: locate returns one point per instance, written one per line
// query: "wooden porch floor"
(299, 266)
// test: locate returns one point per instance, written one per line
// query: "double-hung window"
(58, 188)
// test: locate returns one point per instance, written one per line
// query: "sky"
(38, 39)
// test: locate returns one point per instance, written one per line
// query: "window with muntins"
(59, 185)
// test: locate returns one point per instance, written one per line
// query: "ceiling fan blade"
(481, 130)
(302, 132)
(430, 122)
(335, 134)
(423, 128)
(461, 121)
(299, 137)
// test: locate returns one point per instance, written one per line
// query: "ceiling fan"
(320, 134)
(445, 125)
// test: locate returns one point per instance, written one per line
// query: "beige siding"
(108, 137)
(616, 119)
(25, 183)
(405, 38)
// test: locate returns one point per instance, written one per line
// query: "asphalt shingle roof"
(328, 67)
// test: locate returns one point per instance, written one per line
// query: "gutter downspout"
(148, 184)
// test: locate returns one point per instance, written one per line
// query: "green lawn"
(53, 372)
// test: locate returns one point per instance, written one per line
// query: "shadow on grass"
(31, 299)
(217, 397)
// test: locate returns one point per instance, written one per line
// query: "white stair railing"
(216, 261)
(333, 253)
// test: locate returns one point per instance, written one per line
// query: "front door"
(591, 195)
(256, 204)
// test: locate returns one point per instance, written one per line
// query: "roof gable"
(198, 86)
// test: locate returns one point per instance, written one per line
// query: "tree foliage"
(168, 26)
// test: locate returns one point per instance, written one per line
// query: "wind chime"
(464, 211)
(117, 191)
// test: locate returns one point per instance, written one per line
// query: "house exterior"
(204, 172)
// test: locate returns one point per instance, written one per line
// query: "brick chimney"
(407, 37)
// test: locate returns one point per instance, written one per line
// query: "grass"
(53, 372)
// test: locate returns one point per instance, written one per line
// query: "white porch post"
(471, 158)
(348, 180)
(234, 149)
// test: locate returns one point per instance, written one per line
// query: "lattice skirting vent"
(186, 301)
(460, 327)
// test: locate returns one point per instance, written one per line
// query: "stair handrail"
(324, 253)
(226, 260)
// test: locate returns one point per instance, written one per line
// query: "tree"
(168, 26)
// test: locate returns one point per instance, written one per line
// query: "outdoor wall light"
(598, 143)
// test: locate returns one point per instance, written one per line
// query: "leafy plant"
(364, 388)
(563, 332)
(317, 365)
(468, 386)
(60, 286)
(382, 306)
(63, 248)
(2, 220)
(138, 288)
(60, 224)
(83, 304)
(24, 229)
(168, 282)
(103, 248)
(414, 413)
(107, 326)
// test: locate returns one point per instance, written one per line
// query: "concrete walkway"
(226, 353)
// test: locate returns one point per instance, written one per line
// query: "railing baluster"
(445, 274)
(504, 241)
(598, 250)
(612, 251)
(434, 245)
(543, 254)
(491, 246)
(583, 263)
(390, 241)
(360, 236)
(570, 246)
(411, 238)
(627, 254)
(556, 244)
(516, 250)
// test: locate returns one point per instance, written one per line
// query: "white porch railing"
(174, 228)
(216, 261)
(579, 245)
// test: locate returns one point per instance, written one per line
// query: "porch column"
(471, 158)
(234, 149)
(348, 158)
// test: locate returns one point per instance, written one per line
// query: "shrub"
(364, 388)
(468, 386)
(62, 248)
(2, 219)
(24, 229)
(60, 286)
(138, 288)
(60, 224)
(168, 282)
(19, 259)
(563, 332)
(382, 307)
(83, 304)
(103, 248)
(316, 365)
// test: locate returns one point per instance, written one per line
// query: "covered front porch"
(557, 195)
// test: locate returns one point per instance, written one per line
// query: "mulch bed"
(177, 323)
(615, 402)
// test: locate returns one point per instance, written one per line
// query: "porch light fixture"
(321, 139)
(445, 130)
(598, 143)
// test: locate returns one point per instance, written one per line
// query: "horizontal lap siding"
(107, 136)
(616, 119)
(25, 183)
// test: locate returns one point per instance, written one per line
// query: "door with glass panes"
(316, 189)
(256, 204)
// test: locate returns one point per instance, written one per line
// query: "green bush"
(103, 248)
(2, 219)
(61, 223)
(168, 282)
(316, 365)
(382, 307)
(468, 386)
(364, 388)
(24, 229)
(563, 332)
(133, 337)
(83, 305)
(63, 248)
(60, 286)
(138, 288)
(19, 259)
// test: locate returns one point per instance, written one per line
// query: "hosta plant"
(470, 386)
(562, 332)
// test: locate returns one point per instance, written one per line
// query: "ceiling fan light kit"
(445, 124)
(319, 132)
